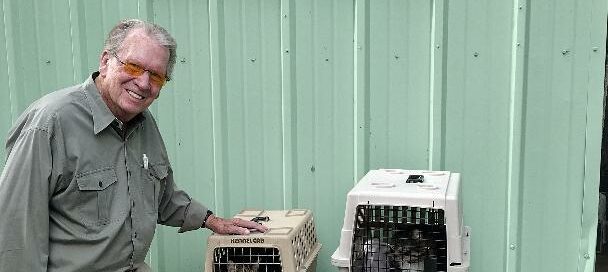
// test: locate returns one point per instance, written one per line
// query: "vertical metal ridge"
(313, 94)
(432, 83)
(516, 142)
(74, 40)
(593, 128)
(437, 84)
(101, 10)
(335, 99)
(264, 107)
(244, 91)
(288, 123)
(357, 125)
(9, 59)
(36, 24)
(82, 48)
(332, 109)
(386, 160)
(7, 98)
(175, 105)
(361, 88)
(218, 104)
(441, 150)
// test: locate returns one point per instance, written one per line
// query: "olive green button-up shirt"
(82, 192)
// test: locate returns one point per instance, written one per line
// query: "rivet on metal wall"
(326, 59)
(396, 57)
(512, 246)
(476, 54)
(252, 60)
(521, 7)
(312, 169)
(284, 15)
(518, 44)
(183, 60)
(565, 52)
(586, 256)
(286, 51)
(595, 48)
(437, 46)
(48, 62)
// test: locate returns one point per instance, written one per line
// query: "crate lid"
(395, 184)
(279, 222)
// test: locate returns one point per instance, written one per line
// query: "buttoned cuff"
(193, 218)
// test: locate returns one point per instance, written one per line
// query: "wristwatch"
(209, 212)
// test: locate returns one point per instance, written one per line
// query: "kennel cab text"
(247, 240)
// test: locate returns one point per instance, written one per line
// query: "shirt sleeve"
(24, 198)
(178, 209)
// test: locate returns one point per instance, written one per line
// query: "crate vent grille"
(399, 239)
(304, 242)
(247, 259)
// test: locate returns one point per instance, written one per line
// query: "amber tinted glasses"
(136, 70)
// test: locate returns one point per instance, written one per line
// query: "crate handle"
(257, 219)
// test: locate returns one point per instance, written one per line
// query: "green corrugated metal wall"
(286, 103)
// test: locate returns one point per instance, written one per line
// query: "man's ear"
(104, 60)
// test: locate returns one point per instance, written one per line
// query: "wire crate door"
(399, 238)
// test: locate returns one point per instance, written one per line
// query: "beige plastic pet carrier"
(290, 244)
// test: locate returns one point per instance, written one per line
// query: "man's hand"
(232, 226)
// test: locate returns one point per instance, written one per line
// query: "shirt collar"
(102, 116)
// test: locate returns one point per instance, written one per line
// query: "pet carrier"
(406, 221)
(290, 244)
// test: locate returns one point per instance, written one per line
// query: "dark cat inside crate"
(233, 267)
(406, 251)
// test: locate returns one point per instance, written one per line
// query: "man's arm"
(178, 209)
(24, 202)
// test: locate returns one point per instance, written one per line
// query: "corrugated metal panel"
(555, 126)
(6, 101)
(478, 121)
(280, 104)
(322, 108)
(399, 51)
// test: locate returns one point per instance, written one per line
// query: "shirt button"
(100, 184)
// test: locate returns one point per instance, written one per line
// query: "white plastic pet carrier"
(290, 244)
(406, 221)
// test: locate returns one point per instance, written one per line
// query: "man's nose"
(143, 81)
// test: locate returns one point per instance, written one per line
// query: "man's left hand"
(232, 226)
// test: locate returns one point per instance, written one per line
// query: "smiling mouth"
(135, 95)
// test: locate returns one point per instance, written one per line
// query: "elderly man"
(87, 176)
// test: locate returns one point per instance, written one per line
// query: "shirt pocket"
(154, 177)
(96, 194)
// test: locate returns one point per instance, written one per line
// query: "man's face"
(127, 95)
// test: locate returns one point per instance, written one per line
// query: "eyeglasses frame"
(152, 73)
